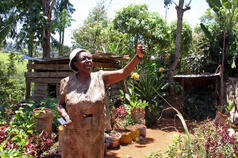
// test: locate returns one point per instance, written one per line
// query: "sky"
(83, 7)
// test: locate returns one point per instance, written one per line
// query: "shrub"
(208, 141)
(199, 105)
(154, 79)
(122, 117)
(12, 85)
(18, 138)
(156, 154)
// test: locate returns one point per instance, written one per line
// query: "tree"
(98, 34)
(141, 25)
(180, 11)
(8, 19)
(186, 37)
(48, 6)
(226, 15)
(32, 20)
(89, 36)
(62, 19)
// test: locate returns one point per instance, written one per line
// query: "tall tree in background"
(8, 18)
(32, 20)
(35, 17)
(88, 36)
(62, 19)
(141, 25)
(48, 6)
(180, 8)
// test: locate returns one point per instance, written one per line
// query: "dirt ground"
(155, 141)
(157, 138)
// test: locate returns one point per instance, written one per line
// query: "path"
(155, 141)
(158, 138)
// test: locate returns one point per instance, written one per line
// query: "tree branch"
(187, 8)
(51, 8)
(174, 3)
(188, 5)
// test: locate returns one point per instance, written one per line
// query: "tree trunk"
(60, 40)
(222, 70)
(178, 41)
(61, 43)
(173, 66)
(27, 81)
(63, 38)
(47, 7)
(46, 41)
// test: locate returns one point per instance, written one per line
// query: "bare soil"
(157, 138)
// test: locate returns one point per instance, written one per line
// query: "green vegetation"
(20, 66)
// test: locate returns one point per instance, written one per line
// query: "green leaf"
(233, 65)
(215, 5)
(228, 5)
(127, 97)
(206, 32)
(165, 86)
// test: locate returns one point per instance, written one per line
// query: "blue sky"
(83, 7)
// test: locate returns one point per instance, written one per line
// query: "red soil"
(157, 139)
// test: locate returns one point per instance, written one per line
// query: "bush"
(199, 105)
(12, 85)
(19, 139)
(208, 141)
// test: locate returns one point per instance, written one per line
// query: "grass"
(21, 65)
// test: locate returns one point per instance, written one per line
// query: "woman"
(81, 101)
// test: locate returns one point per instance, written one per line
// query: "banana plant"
(225, 11)
(206, 32)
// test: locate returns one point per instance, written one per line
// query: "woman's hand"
(62, 111)
(110, 77)
(66, 117)
(140, 50)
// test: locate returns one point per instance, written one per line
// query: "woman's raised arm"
(111, 77)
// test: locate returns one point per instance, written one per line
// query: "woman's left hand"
(140, 50)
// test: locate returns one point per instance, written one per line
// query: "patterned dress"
(84, 138)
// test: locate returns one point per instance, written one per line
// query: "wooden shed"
(44, 75)
(198, 81)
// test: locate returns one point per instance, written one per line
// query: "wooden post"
(182, 86)
(28, 88)
(28, 81)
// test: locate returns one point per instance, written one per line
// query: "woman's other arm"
(61, 109)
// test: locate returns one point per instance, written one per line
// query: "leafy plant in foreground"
(18, 138)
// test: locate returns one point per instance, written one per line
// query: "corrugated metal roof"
(197, 75)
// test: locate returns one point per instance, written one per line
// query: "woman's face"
(84, 62)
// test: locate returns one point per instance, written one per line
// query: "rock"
(135, 135)
(126, 138)
(140, 127)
